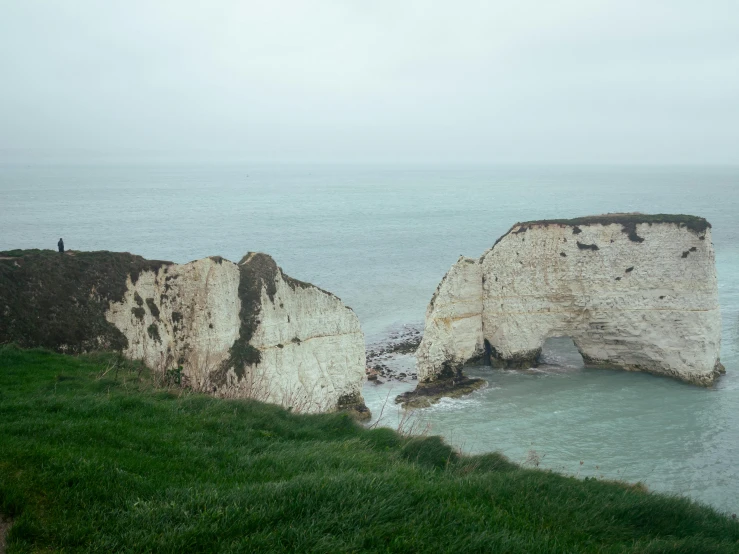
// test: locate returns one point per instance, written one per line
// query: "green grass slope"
(95, 458)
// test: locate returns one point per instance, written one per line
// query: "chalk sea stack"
(634, 291)
(242, 330)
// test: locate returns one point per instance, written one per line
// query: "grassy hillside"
(95, 457)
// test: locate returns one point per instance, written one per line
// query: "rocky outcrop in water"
(236, 330)
(636, 292)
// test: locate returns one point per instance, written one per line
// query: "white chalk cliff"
(245, 330)
(453, 331)
(633, 291)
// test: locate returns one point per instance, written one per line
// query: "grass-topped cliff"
(628, 222)
(59, 301)
(96, 457)
(692, 222)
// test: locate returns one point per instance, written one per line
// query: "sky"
(525, 81)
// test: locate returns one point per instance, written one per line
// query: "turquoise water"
(383, 237)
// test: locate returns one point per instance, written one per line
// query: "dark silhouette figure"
(60, 244)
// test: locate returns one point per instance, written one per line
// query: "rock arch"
(633, 291)
(561, 352)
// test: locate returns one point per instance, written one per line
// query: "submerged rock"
(428, 393)
(635, 292)
(242, 330)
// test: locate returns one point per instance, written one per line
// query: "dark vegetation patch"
(686, 253)
(138, 312)
(153, 332)
(563, 254)
(630, 229)
(257, 271)
(217, 259)
(691, 222)
(176, 319)
(298, 284)
(104, 462)
(18, 252)
(629, 269)
(618, 278)
(628, 221)
(693, 249)
(137, 298)
(295, 340)
(153, 307)
(59, 301)
(583, 246)
(167, 281)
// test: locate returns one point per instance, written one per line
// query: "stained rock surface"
(636, 292)
(242, 330)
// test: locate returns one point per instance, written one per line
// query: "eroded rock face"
(181, 315)
(453, 332)
(633, 291)
(309, 346)
(242, 330)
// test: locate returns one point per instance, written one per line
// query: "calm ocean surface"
(383, 237)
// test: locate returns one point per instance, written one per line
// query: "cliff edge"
(235, 330)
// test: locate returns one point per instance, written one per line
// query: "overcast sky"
(524, 81)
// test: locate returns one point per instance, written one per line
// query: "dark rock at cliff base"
(426, 394)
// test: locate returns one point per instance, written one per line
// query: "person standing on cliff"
(60, 244)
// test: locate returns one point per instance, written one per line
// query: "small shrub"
(173, 377)
(153, 332)
(153, 307)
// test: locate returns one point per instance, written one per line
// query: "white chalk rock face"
(453, 331)
(633, 291)
(181, 315)
(245, 330)
(311, 346)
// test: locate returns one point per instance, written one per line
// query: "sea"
(382, 237)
